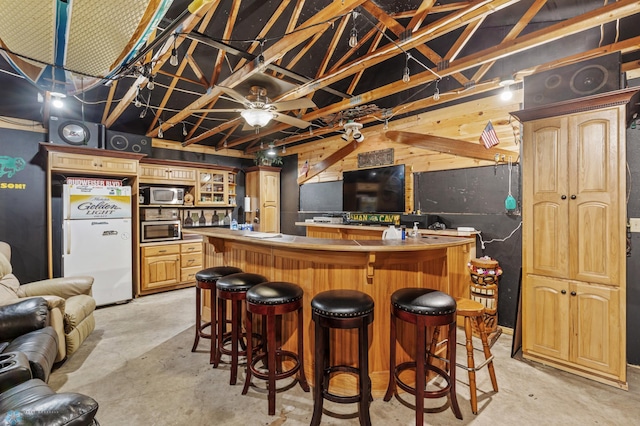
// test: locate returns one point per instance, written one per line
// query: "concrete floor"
(139, 366)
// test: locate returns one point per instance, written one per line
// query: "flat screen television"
(377, 190)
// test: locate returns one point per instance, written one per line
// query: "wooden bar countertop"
(368, 264)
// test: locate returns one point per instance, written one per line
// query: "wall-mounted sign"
(382, 157)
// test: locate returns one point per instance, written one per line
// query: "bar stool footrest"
(279, 375)
(428, 367)
(341, 399)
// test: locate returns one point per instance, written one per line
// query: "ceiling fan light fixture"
(256, 117)
(271, 152)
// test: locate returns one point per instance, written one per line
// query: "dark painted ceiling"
(446, 45)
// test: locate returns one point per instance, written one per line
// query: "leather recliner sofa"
(24, 329)
(69, 299)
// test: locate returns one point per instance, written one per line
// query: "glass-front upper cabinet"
(215, 188)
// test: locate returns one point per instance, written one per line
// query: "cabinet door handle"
(573, 197)
(162, 251)
(563, 291)
(564, 197)
(573, 293)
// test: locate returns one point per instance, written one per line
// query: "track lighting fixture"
(352, 129)
(174, 54)
(271, 152)
(353, 36)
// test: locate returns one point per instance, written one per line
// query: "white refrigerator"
(96, 238)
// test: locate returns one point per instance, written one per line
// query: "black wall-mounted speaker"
(586, 78)
(65, 131)
(119, 141)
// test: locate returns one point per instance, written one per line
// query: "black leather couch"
(24, 328)
(28, 349)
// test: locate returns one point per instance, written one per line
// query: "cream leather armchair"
(69, 299)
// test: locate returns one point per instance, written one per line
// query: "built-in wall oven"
(159, 224)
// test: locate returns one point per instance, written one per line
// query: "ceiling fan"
(258, 109)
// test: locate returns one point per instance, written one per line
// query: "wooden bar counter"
(376, 267)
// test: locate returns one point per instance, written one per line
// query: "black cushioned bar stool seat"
(206, 280)
(233, 288)
(424, 308)
(272, 300)
(341, 309)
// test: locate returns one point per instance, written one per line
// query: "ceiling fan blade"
(301, 103)
(237, 96)
(287, 119)
(449, 146)
(217, 110)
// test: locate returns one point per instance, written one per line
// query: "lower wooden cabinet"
(169, 266)
(572, 324)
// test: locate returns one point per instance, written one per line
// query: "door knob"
(563, 291)
(573, 197)
(564, 197)
(573, 293)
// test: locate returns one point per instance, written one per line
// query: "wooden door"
(598, 343)
(545, 191)
(270, 202)
(546, 317)
(595, 232)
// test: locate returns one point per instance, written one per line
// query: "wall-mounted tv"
(377, 190)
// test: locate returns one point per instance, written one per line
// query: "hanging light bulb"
(160, 134)
(506, 83)
(271, 152)
(436, 94)
(143, 113)
(506, 94)
(406, 77)
(224, 144)
(174, 57)
(284, 149)
(151, 85)
(184, 129)
(353, 36)
(386, 125)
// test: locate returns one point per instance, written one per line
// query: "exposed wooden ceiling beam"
(332, 159)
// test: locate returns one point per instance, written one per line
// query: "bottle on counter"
(403, 231)
(201, 220)
(187, 220)
(234, 224)
(415, 233)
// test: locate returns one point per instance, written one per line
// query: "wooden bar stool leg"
(249, 328)
(487, 351)
(198, 320)
(221, 329)
(301, 376)
(271, 363)
(420, 370)
(214, 331)
(471, 368)
(453, 398)
(236, 325)
(391, 387)
(364, 380)
(318, 374)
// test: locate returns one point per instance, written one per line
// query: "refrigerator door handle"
(67, 230)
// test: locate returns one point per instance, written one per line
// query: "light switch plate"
(634, 224)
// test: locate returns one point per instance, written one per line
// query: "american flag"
(489, 137)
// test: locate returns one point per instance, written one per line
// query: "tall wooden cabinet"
(263, 187)
(574, 254)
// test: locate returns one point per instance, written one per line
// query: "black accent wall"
(23, 203)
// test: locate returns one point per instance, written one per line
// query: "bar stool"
(206, 280)
(272, 300)
(424, 308)
(341, 309)
(234, 289)
(473, 313)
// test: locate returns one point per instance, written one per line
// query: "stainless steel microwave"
(160, 230)
(159, 195)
